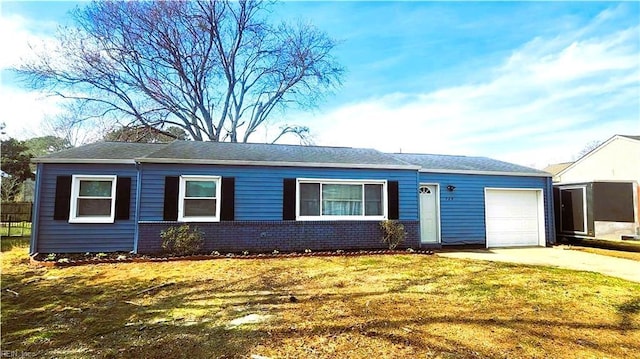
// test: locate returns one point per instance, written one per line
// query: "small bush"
(393, 233)
(182, 240)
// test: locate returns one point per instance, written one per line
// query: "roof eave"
(492, 173)
(85, 160)
(276, 163)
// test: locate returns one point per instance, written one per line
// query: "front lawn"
(411, 306)
(609, 252)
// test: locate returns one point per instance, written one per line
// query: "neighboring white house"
(598, 194)
(617, 159)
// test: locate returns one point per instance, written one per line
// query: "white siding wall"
(618, 160)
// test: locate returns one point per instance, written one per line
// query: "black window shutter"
(392, 200)
(63, 198)
(123, 197)
(289, 199)
(171, 198)
(228, 205)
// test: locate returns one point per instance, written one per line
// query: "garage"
(514, 217)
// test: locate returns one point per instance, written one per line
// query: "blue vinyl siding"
(258, 197)
(60, 236)
(258, 190)
(462, 212)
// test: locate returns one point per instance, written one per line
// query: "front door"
(572, 206)
(429, 223)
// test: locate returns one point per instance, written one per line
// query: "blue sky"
(526, 82)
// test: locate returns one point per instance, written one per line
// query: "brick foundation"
(285, 236)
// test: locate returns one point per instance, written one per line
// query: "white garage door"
(514, 218)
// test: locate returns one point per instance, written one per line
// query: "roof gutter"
(490, 173)
(85, 160)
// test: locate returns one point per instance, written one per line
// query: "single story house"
(111, 196)
(597, 195)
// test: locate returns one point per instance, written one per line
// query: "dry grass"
(346, 307)
(609, 252)
(627, 246)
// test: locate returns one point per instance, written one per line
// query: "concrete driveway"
(555, 257)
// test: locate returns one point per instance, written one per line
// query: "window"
(92, 199)
(341, 199)
(199, 199)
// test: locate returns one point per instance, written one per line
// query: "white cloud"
(22, 110)
(547, 100)
(19, 34)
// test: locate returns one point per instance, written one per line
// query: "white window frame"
(75, 194)
(362, 217)
(181, 198)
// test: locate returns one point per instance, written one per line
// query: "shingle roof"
(102, 152)
(631, 137)
(279, 155)
(466, 164)
(288, 155)
(556, 168)
(226, 153)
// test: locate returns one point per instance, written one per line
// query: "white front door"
(429, 223)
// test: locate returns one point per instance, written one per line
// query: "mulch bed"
(76, 259)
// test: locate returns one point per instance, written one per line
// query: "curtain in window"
(341, 200)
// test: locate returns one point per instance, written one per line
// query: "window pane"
(310, 199)
(94, 208)
(199, 208)
(200, 189)
(373, 200)
(342, 199)
(95, 188)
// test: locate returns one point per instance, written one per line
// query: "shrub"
(392, 233)
(182, 240)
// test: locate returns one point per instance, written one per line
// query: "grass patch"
(609, 252)
(322, 307)
(628, 246)
(22, 229)
(8, 243)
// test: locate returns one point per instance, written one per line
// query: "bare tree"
(76, 124)
(146, 134)
(590, 146)
(217, 69)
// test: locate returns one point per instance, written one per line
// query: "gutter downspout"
(136, 231)
(550, 212)
(416, 193)
(35, 217)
